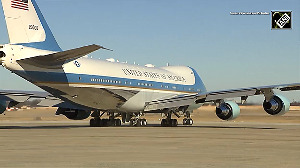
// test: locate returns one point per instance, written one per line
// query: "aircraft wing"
(183, 100)
(243, 92)
(28, 98)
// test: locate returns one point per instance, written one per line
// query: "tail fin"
(27, 26)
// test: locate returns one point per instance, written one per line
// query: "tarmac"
(36, 138)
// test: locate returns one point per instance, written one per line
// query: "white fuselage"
(100, 84)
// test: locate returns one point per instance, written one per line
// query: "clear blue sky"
(227, 51)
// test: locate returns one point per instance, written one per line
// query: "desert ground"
(38, 138)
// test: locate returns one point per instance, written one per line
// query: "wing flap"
(230, 94)
(177, 101)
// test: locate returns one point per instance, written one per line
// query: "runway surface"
(29, 142)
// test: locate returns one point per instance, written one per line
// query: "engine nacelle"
(3, 106)
(277, 105)
(228, 110)
(73, 114)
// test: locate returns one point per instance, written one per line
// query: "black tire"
(163, 122)
(184, 121)
(117, 122)
(131, 122)
(190, 121)
(92, 122)
(105, 122)
(144, 122)
(141, 122)
(174, 123)
(97, 122)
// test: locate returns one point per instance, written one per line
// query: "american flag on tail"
(20, 4)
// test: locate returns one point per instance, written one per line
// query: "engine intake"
(73, 114)
(277, 105)
(228, 111)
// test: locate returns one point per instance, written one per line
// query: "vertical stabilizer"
(27, 26)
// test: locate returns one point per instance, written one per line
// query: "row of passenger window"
(130, 83)
(106, 81)
(145, 84)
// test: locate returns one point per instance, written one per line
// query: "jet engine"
(73, 114)
(228, 110)
(3, 106)
(277, 105)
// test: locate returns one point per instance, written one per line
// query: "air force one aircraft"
(81, 87)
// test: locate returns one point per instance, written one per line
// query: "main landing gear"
(138, 122)
(135, 120)
(98, 122)
(169, 122)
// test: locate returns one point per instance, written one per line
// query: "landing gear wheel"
(105, 122)
(187, 121)
(141, 122)
(117, 122)
(174, 123)
(164, 123)
(131, 122)
(144, 121)
(184, 121)
(97, 122)
(191, 122)
(138, 122)
(92, 123)
(169, 123)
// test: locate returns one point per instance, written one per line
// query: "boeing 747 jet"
(81, 87)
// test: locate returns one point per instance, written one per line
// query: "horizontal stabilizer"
(56, 60)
